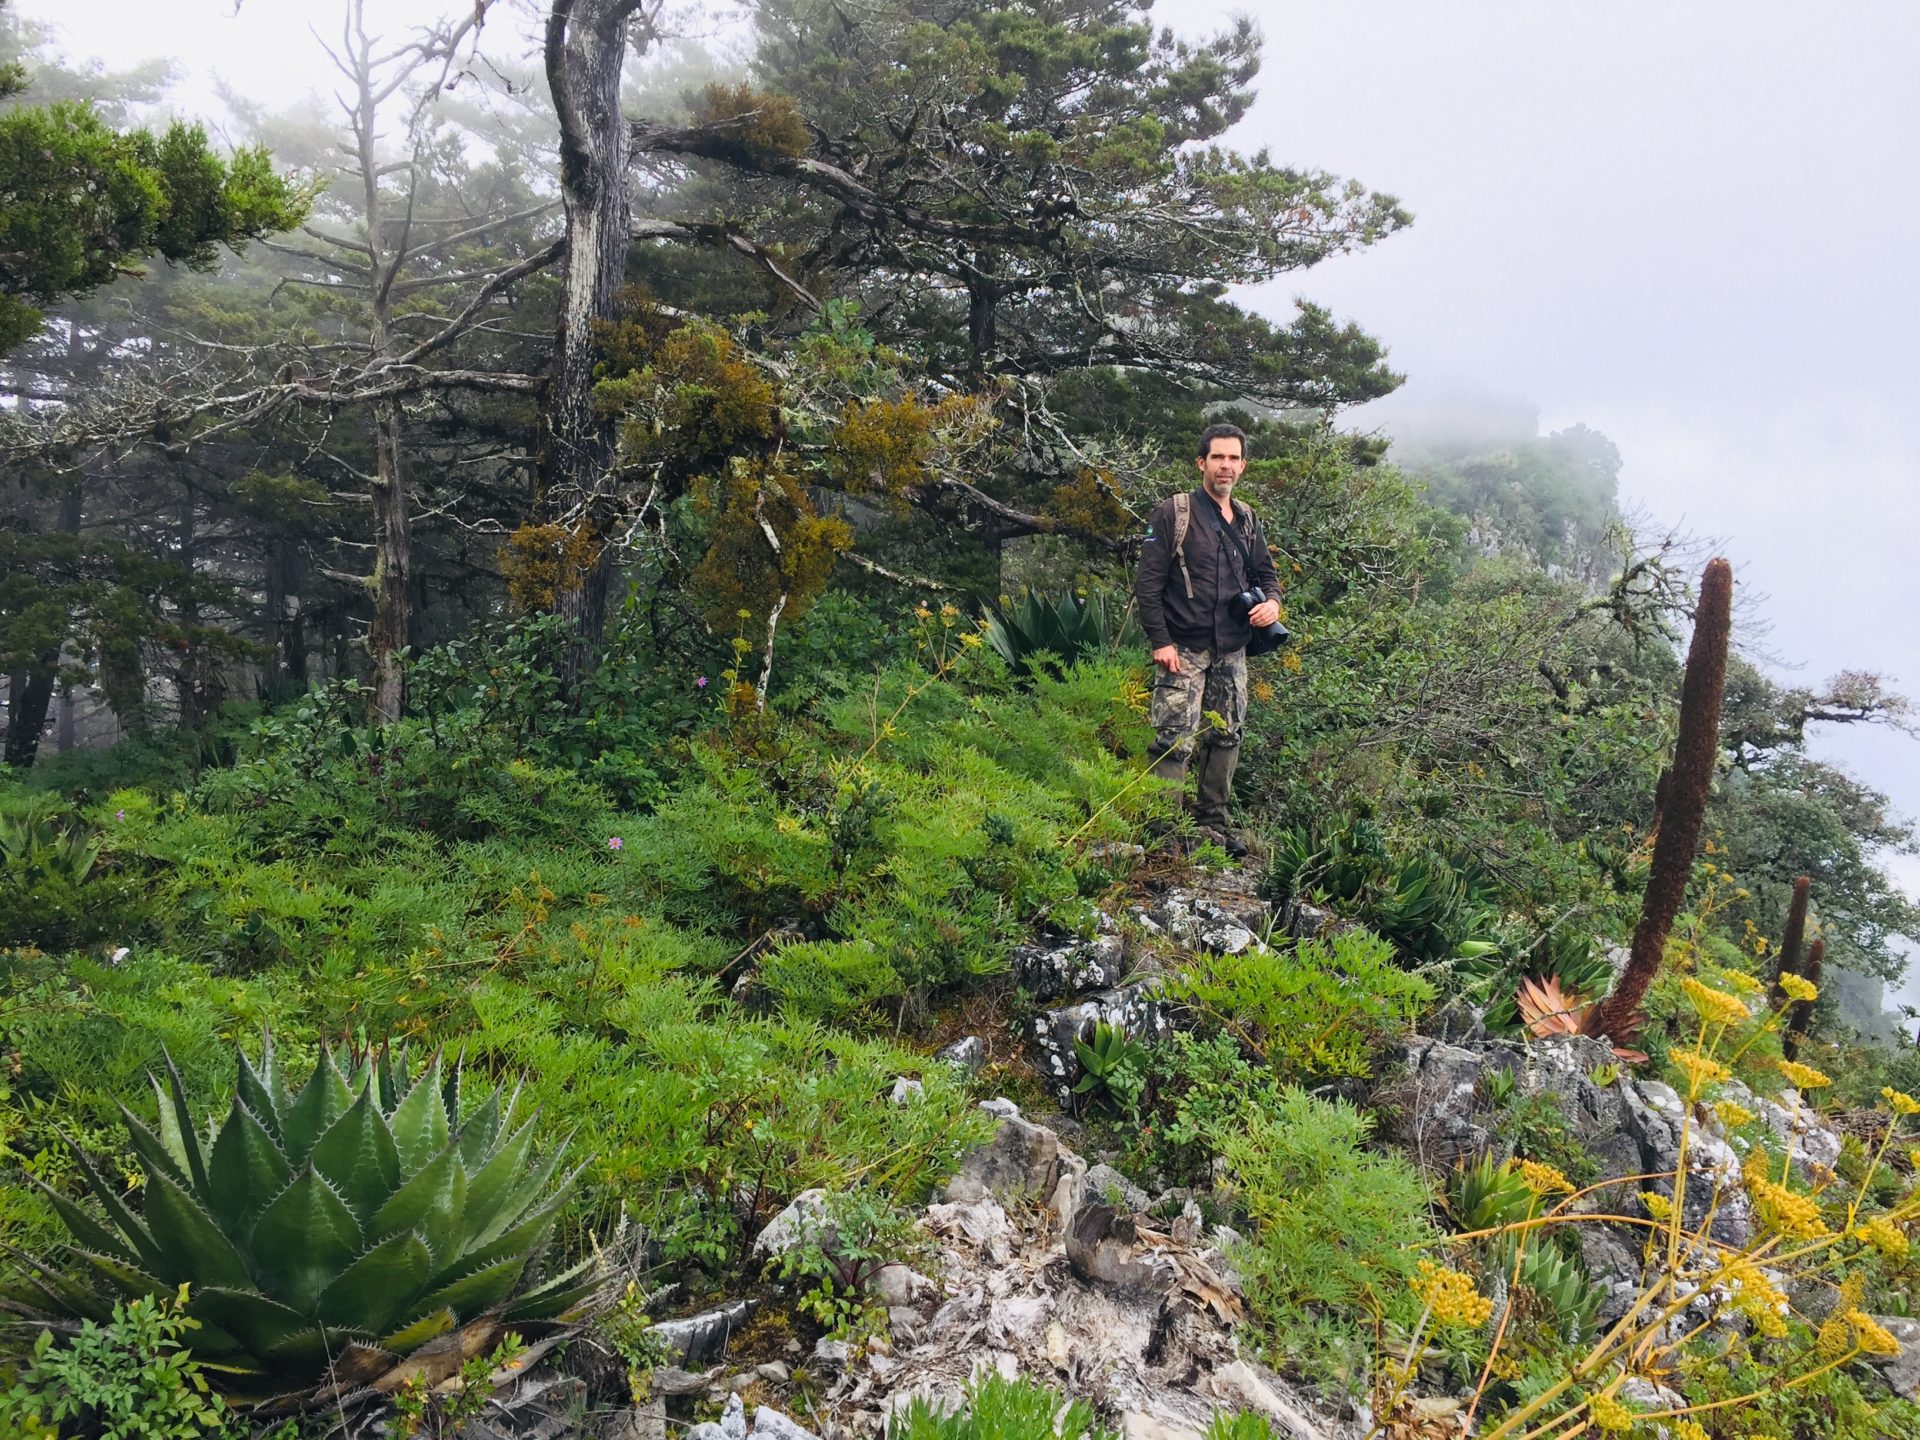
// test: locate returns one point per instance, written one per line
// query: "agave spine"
(325, 1233)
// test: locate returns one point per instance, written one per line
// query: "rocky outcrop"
(1438, 1114)
(1047, 972)
(1138, 1317)
(1902, 1371)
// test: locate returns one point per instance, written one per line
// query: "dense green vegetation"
(702, 797)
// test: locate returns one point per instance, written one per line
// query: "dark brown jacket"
(1210, 620)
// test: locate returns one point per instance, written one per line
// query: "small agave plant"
(328, 1234)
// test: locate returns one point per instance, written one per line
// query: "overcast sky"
(1691, 226)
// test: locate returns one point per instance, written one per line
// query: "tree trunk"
(392, 571)
(30, 693)
(285, 626)
(983, 298)
(28, 700)
(189, 681)
(586, 48)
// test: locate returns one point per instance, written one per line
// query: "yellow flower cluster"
(1657, 1205)
(1883, 1235)
(1778, 1208)
(1544, 1179)
(1702, 1070)
(1900, 1102)
(1870, 1335)
(1835, 1337)
(1757, 1298)
(1733, 1115)
(1716, 1007)
(1450, 1295)
(1739, 980)
(1801, 1077)
(1610, 1414)
(1690, 1430)
(1798, 987)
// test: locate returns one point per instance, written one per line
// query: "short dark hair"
(1220, 432)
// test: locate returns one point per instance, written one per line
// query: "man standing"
(1202, 552)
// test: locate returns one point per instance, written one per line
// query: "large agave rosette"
(326, 1235)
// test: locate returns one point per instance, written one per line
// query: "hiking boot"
(1164, 838)
(1213, 790)
(1235, 847)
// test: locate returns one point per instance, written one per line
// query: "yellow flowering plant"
(1800, 1241)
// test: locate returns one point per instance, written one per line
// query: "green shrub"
(999, 1409)
(1333, 1226)
(129, 1375)
(1199, 1085)
(1310, 1007)
(376, 1210)
(838, 1252)
(59, 889)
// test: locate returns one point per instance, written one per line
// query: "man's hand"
(1167, 657)
(1260, 616)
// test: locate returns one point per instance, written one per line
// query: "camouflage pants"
(1208, 683)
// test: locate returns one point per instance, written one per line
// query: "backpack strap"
(1182, 518)
(1232, 533)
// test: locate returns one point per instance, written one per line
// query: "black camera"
(1265, 638)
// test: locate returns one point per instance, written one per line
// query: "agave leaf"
(129, 1280)
(494, 1181)
(358, 1158)
(83, 1227)
(420, 1126)
(432, 1203)
(176, 1124)
(246, 1169)
(257, 1090)
(478, 1290)
(304, 1239)
(192, 1244)
(133, 1233)
(359, 1364)
(41, 1287)
(321, 1101)
(418, 1332)
(378, 1286)
(263, 1321)
(390, 1086)
(155, 1158)
(517, 1201)
(180, 1144)
(554, 1298)
(450, 1093)
(522, 1238)
(360, 1075)
(304, 1352)
(482, 1129)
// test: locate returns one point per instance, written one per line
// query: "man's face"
(1220, 467)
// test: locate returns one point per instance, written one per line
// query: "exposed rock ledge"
(1036, 1276)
